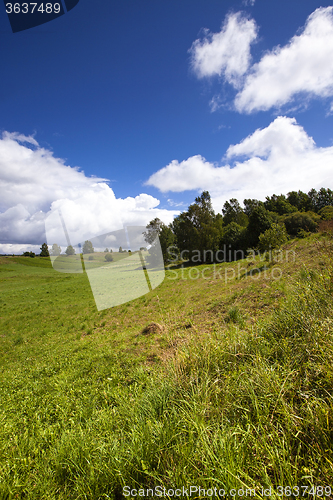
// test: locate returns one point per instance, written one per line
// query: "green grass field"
(233, 391)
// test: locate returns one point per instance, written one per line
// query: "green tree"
(108, 257)
(153, 230)
(166, 237)
(106, 250)
(259, 221)
(273, 237)
(233, 212)
(56, 250)
(326, 213)
(279, 204)
(29, 254)
(120, 250)
(44, 250)
(87, 247)
(233, 241)
(198, 231)
(250, 204)
(299, 200)
(70, 250)
(324, 198)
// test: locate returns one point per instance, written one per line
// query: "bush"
(326, 213)
(273, 237)
(108, 257)
(29, 254)
(300, 220)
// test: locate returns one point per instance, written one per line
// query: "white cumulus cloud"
(226, 53)
(303, 66)
(276, 159)
(33, 183)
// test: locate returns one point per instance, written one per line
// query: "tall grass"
(240, 408)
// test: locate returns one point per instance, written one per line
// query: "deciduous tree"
(44, 250)
(70, 250)
(87, 247)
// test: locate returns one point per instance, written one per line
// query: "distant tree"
(87, 247)
(233, 212)
(44, 250)
(234, 237)
(324, 198)
(320, 199)
(106, 250)
(198, 231)
(56, 250)
(313, 199)
(153, 230)
(260, 220)
(273, 237)
(250, 204)
(29, 254)
(120, 250)
(279, 204)
(301, 201)
(166, 237)
(108, 257)
(70, 250)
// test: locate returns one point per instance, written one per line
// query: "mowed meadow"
(221, 377)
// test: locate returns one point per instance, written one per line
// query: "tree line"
(200, 235)
(87, 248)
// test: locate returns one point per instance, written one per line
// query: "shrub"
(300, 220)
(29, 254)
(326, 213)
(273, 237)
(108, 257)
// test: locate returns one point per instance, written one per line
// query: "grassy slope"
(236, 391)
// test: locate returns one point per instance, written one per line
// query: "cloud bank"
(276, 159)
(33, 183)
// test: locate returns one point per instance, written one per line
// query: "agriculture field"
(221, 377)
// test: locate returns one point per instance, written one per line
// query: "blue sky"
(162, 98)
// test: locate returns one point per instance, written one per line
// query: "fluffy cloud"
(226, 53)
(305, 65)
(276, 159)
(193, 173)
(33, 183)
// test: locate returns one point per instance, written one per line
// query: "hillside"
(232, 388)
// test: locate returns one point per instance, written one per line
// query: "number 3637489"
(30, 8)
